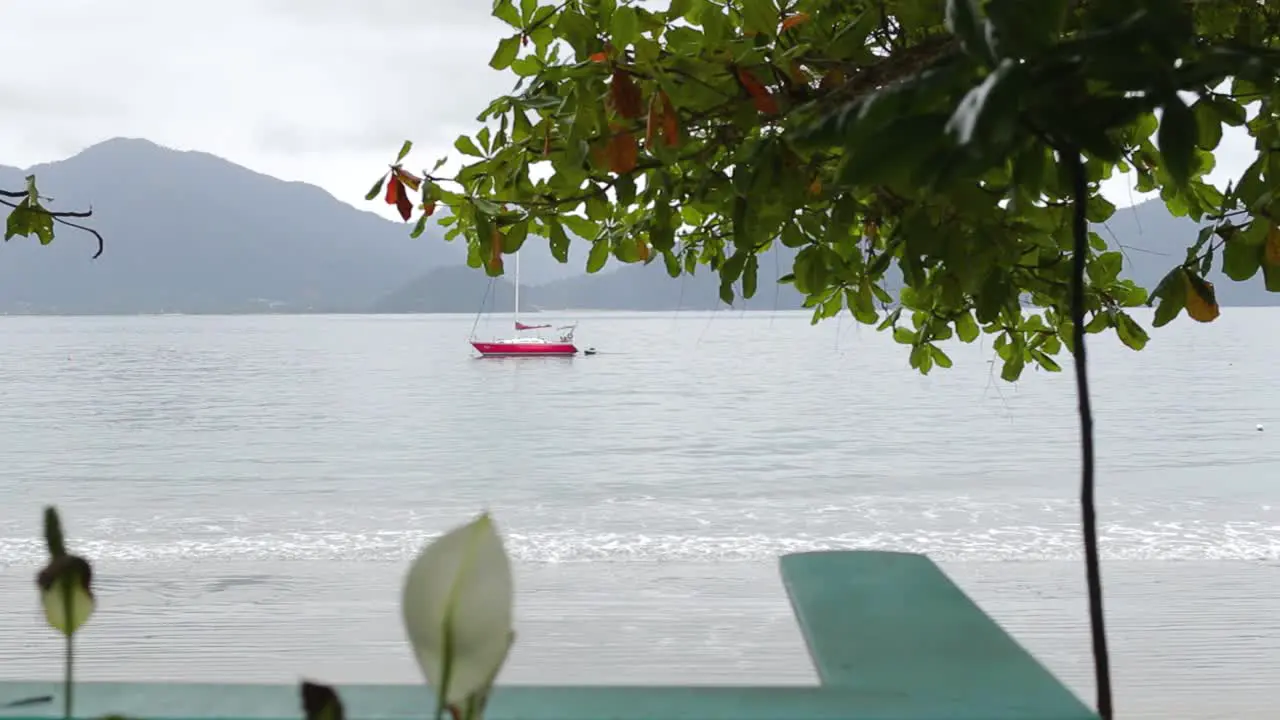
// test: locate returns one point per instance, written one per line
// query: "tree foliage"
(28, 216)
(923, 137)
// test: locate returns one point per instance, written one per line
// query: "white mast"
(517, 313)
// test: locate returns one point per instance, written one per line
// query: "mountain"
(1152, 240)
(191, 232)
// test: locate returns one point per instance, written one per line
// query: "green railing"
(891, 636)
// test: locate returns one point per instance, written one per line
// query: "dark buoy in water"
(592, 351)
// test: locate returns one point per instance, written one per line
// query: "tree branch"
(59, 217)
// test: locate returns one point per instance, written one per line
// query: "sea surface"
(251, 489)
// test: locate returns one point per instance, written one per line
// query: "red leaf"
(404, 205)
(395, 190)
(622, 152)
(626, 96)
(599, 57)
(760, 94)
(429, 208)
(799, 18)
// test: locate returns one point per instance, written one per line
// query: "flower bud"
(458, 605)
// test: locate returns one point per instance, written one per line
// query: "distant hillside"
(1152, 240)
(191, 232)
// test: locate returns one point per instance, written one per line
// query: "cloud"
(322, 91)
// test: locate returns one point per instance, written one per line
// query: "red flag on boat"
(522, 326)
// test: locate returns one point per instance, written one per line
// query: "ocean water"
(251, 489)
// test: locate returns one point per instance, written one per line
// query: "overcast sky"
(321, 91)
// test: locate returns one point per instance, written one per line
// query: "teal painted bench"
(891, 636)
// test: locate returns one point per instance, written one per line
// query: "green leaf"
(894, 153)
(940, 358)
(1105, 268)
(467, 146)
(598, 256)
(1025, 27)
(419, 227)
(1208, 125)
(26, 221)
(904, 336)
(376, 189)
(559, 241)
(505, 10)
(580, 226)
(1045, 361)
(1012, 369)
(1130, 332)
(964, 20)
(749, 273)
(515, 236)
(505, 54)
(760, 16)
(404, 150)
(988, 114)
(726, 292)
(1177, 139)
(625, 26)
(1172, 294)
(966, 327)
(1240, 260)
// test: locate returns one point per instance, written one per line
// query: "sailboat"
(527, 345)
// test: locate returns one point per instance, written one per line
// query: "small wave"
(1155, 541)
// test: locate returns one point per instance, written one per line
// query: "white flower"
(458, 606)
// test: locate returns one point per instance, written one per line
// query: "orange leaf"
(626, 96)
(642, 249)
(1202, 302)
(429, 208)
(495, 248)
(599, 57)
(670, 122)
(760, 95)
(395, 190)
(622, 152)
(815, 187)
(1271, 255)
(411, 181)
(799, 18)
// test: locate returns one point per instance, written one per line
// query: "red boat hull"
(523, 349)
